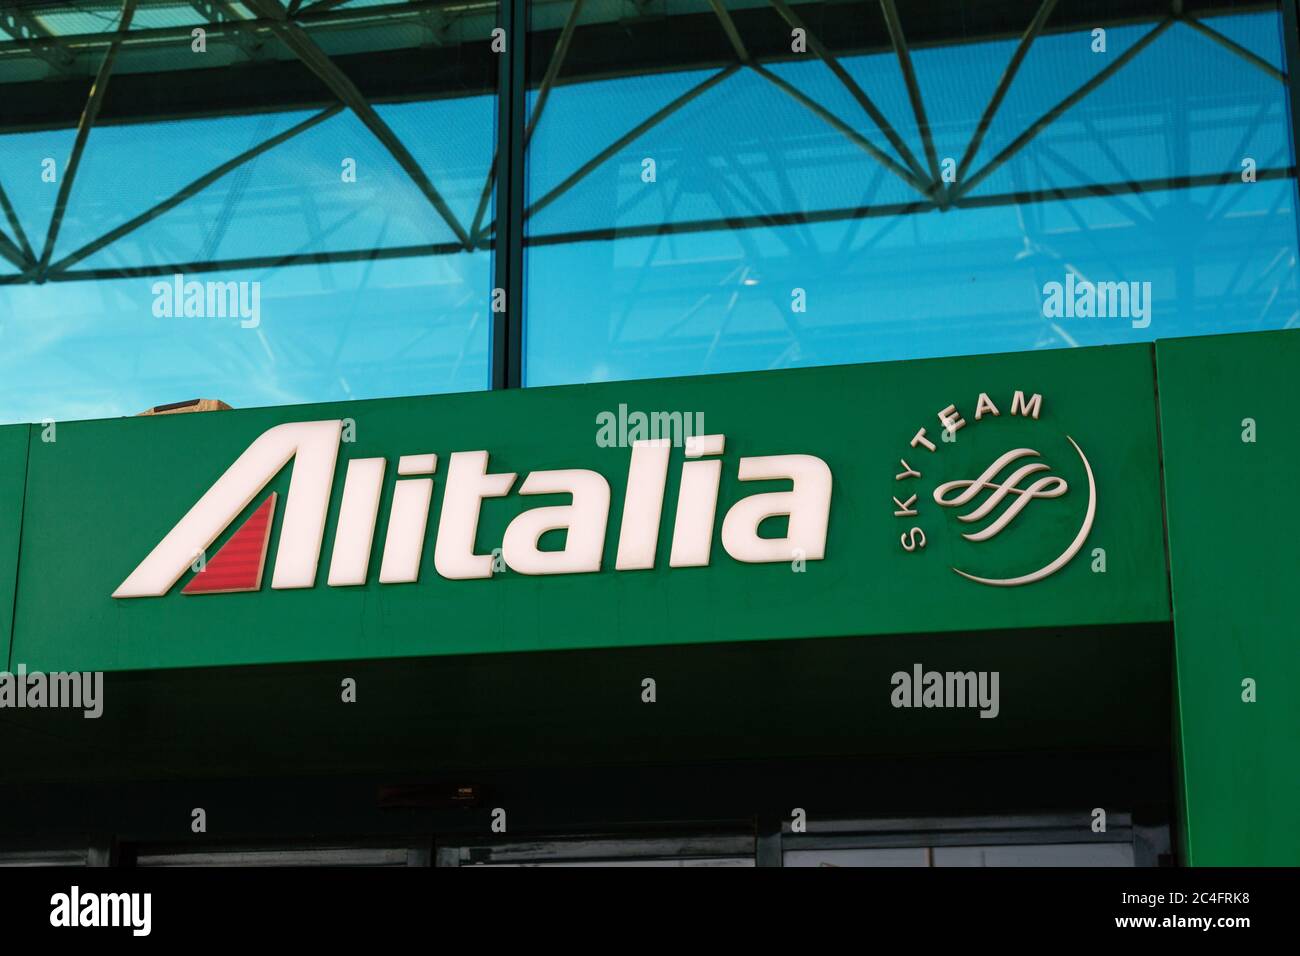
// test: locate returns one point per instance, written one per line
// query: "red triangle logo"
(238, 565)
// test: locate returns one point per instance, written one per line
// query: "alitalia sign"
(313, 448)
(988, 502)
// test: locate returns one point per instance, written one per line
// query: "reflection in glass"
(900, 190)
(336, 164)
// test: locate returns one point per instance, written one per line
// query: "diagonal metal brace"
(1008, 75)
(1234, 47)
(854, 89)
(203, 182)
(12, 216)
(316, 60)
(21, 25)
(650, 122)
(1056, 111)
(88, 116)
(894, 24)
(244, 36)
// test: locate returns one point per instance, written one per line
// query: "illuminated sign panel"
(525, 520)
(312, 448)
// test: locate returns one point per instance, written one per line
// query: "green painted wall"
(13, 477)
(102, 495)
(1234, 539)
(90, 505)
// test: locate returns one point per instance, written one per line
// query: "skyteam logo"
(1027, 519)
(313, 449)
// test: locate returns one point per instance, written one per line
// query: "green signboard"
(1008, 491)
(1231, 457)
(13, 476)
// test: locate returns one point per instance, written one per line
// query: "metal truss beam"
(895, 27)
(203, 182)
(12, 216)
(870, 148)
(328, 72)
(766, 221)
(769, 220)
(930, 30)
(38, 38)
(729, 28)
(1236, 48)
(553, 68)
(11, 252)
(543, 94)
(256, 262)
(320, 6)
(1008, 75)
(244, 36)
(437, 23)
(96, 98)
(854, 89)
(21, 25)
(963, 188)
(649, 123)
(278, 20)
(920, 182)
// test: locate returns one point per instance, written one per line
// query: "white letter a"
(314, 446)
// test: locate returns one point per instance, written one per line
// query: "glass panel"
(716, 191)
(718, 862)
(1047, 854)
(893, 856)
(725, 850)
(277, 856)
(35, 857)
(261, 217)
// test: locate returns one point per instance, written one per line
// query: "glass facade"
(280, 204)
(877, 188)
(260, 215)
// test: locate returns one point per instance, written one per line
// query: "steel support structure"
(507, 300)
(505, 231)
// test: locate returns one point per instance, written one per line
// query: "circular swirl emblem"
(994, 500)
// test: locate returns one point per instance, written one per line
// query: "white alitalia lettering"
(808, 505)
(697, 504)
(468, 483)
(357, 517)
(697, 446)
(583, 521)
(647, 476)
(313, 449)
(417, 464)
(407, 522)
